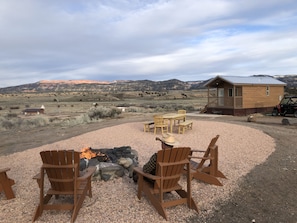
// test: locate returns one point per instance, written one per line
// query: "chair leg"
(207, 178)
(184, 194)
(37, 214)
(157, 205)
(140, 186)
(216, 173)
(77, 206)
(39, 209)
(5, 185)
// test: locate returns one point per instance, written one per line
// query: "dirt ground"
(267, 194)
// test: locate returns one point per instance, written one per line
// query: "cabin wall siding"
(255, 96)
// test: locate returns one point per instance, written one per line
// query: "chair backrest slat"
(169, 157)
(59, 172)
(206, 154)
(158, 120)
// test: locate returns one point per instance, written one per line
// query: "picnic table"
(172, 117)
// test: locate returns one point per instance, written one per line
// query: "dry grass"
(73, 108)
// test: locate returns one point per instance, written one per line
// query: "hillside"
(114, 86)
(123, 85)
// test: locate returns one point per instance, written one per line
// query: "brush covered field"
(72, 108)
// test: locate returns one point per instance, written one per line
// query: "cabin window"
(267, 90)
(230, 92)
(238, 91)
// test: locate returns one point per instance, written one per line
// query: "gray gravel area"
(242, 149)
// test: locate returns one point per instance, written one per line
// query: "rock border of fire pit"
(120, 162)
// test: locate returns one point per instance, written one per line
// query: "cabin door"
(221, 96)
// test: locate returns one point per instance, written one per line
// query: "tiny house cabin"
(234, 95)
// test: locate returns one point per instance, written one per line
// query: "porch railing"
(225, 102)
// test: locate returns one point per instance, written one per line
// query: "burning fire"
(87, 153)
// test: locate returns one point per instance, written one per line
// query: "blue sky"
(154, 39)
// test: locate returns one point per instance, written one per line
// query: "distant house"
(234, 95)
(33, 111)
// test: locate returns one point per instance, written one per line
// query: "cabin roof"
(251, 80)
(33, 109)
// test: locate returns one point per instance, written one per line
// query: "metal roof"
(255, 80)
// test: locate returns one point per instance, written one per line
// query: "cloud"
(156, 40)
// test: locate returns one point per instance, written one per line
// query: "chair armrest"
(87, 173)
(203, 158)
(196, 150)
(37, 176)
(147, 175)
(4, 170)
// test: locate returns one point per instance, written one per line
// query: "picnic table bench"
(183, 126)
(148, 126)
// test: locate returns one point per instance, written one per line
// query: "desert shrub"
(14, 107)
(126, 104)
(53, 119)
(84, 118)
(34, 122)
(188, 108)
(103, 112)
(151, 106)
(11, 115)
(136, 109)
(5, 123)
(159, 109)
(16, 122)
(12, 121)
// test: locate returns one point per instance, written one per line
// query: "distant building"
(234, 95)
(34, 111)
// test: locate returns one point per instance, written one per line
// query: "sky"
(108, 40)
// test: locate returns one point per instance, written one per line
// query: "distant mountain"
(115, 86)
(122, 85)
(290, 80)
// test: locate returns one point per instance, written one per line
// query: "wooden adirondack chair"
(183, 119)
(6, 183)
(161, 123)
(209, 173)
(170, 165)
(62, 170)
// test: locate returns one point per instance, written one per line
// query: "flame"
(86, 153)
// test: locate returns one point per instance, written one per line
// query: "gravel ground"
(241, 149)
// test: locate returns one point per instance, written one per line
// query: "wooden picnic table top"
(173, 115)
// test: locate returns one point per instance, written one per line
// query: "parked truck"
(288, 105)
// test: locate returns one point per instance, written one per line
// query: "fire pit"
(110, 163)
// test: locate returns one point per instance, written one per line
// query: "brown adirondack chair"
(62, 170)
(209, 173)
(170, 165)
(6, 183)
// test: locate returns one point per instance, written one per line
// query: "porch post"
(207, 96)
(234, 94)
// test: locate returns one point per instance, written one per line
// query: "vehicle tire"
(274, 112)
(295, 114)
